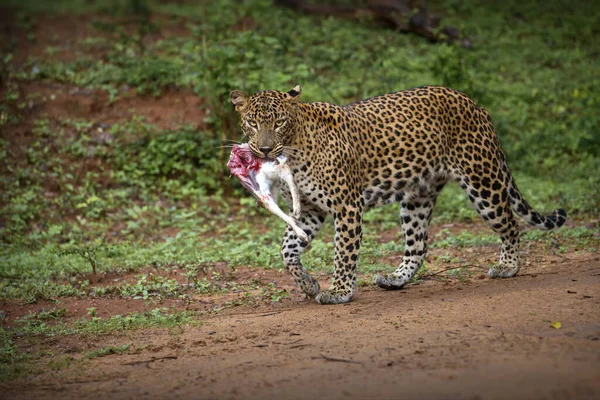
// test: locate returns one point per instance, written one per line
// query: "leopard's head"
(268, 119)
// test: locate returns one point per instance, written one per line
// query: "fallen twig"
(437, 273)
(269, 314)
(150, 360)
(288, 343)
(554, 253)
(297, 346)
(332, 359)
(262, 313)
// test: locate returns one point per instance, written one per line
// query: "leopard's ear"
(295, 93)
(238, 99)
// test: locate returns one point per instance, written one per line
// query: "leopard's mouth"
(270, 156)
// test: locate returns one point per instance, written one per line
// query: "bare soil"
(475, 339)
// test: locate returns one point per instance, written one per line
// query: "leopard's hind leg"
(491, 200)
(416, 214)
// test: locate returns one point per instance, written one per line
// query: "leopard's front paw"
(309, 285)
(390, 282)
(333, 297)
(503, 271)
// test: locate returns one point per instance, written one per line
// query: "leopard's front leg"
(292, 248)
(348, 235)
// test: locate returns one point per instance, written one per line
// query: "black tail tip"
(557, 219)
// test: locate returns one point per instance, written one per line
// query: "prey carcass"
(262, 178)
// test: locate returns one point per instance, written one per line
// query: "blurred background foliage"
(533, 64)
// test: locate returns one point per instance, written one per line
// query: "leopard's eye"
(279, 123)
(252, 123)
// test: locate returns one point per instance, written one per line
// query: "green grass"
(107, 351)
(16, 362)
(31, 325)
(532, 65)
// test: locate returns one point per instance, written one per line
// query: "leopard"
(400, 147)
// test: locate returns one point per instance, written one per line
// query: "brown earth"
(476, 339)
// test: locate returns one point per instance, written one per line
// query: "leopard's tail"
(522, 207)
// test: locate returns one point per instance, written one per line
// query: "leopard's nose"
(265, 150)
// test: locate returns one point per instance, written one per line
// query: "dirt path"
(482, 339)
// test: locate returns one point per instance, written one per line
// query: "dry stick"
(288, 343)
(332, 359)
(296, 346)
(270, 313)
(263, 314)
(151, 360)
(560, 255)
(431, 274)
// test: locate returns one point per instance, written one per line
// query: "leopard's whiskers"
(229, 143)
(290, 150)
